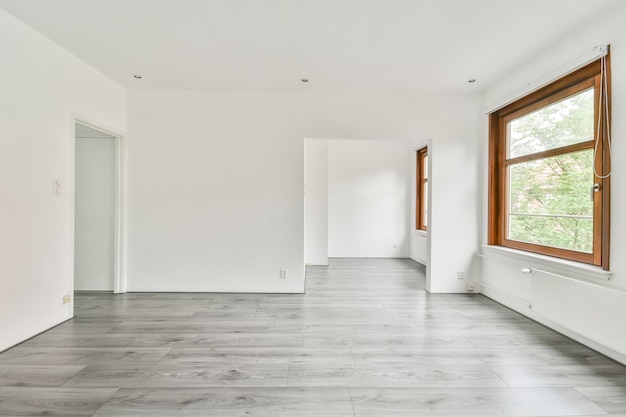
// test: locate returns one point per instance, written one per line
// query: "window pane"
(563, 123)
(425, 166)
(550, 201)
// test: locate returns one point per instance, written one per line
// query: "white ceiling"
(340, 45)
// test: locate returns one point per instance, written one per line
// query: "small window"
(421, 205)
(549, 169)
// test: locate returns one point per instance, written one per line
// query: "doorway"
(357, 199)
(97, 210)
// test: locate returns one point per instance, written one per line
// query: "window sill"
(576, 270)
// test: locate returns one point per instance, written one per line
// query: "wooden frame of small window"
(569, 85)
(421, 182)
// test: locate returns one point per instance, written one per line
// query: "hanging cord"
(604, 101)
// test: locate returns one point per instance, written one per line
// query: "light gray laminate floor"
(366, 340)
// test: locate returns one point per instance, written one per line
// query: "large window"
(549, 184)
(421, 204)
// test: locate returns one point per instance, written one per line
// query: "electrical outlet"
(395, 246)
(284, 273)
(67, 298)
(460, 274)
(471, 286)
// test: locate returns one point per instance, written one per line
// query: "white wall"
(216, 182)
(453, 228)
(369, 192)
(41, 86)
(501, 272)
(316, 201)
(94, 232)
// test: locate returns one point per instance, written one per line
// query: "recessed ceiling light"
(137, 76)
(471, 81)
(304, 80)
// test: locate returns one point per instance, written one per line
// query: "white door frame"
(414, 232)
(119, 251)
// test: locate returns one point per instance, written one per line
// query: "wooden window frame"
(420, 189)
(580, 80)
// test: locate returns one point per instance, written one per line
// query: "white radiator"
(592, 310)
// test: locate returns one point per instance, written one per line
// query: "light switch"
(57, 186)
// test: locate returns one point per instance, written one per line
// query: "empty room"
(312, 208)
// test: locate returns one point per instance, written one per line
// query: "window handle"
(595, 188)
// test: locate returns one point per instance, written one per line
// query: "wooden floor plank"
(63, 402)
(229, 402)
(471, 402)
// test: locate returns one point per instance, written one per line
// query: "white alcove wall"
(369, 198)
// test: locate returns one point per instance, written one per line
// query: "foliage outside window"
(421, 205)
(549, 156)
